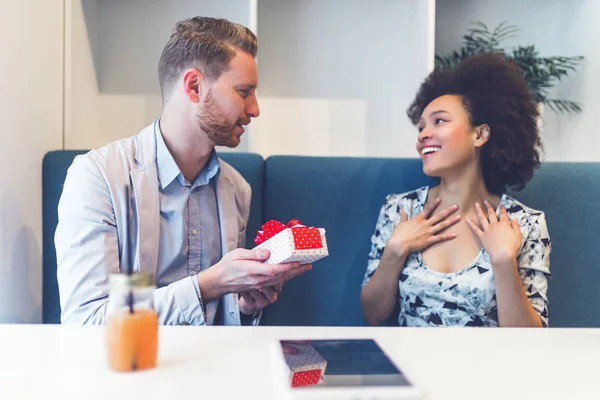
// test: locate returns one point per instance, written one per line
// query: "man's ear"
(194, 84)
(482, 135)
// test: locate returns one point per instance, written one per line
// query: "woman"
(463, 253)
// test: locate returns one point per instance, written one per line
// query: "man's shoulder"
(120, 151)
(123, 154)
(113, 162)
(233, 176)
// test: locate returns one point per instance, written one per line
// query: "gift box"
(294, 242)
(307, 367)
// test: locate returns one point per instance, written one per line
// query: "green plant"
(541, 73)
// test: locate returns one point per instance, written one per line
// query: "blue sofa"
(344, 195)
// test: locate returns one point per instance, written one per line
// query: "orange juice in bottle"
(131, 323)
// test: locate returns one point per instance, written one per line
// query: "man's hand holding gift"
(266, 293)
(244, 270)
(281, 245)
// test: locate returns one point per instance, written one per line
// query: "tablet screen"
(346, 363)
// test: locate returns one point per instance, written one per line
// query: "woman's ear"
(482, 135)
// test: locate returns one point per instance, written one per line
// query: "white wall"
(82, 113)
(31, 38)
(556, 27)
(579, 137)
(112, 59)
(337, 76)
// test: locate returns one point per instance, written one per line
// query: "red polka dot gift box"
(306, 367)
(292, 242)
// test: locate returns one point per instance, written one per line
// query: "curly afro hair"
(493, 92)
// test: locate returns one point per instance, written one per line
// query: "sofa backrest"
(569, 194)
(54, 171)
(344, 195)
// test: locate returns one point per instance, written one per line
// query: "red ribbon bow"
(272, 228)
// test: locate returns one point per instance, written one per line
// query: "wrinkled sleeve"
(534, 265)
(383, 230)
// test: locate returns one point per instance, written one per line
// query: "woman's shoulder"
(527, 217)
(407, 201)
(417, 195)
(517, 209)
(535, 242)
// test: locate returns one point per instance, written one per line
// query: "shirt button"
(195, 231)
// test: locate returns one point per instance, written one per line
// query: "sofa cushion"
(54, 171)
(569, 195)
(342, 195)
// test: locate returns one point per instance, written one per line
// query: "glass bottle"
(131, 322)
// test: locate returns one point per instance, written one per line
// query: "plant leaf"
(540, 73)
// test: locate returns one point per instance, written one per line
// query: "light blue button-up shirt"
(190, 238)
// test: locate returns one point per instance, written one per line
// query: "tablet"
(337, 369)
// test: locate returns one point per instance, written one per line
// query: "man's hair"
(207, 44)
(493, 92)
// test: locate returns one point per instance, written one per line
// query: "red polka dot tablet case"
(357, 367)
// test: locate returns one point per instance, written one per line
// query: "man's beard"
(213, 122)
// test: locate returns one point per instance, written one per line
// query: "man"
(163, 202)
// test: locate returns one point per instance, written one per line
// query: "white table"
(64, 362)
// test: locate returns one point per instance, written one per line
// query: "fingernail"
(262, 253)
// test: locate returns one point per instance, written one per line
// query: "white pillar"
(31, 120)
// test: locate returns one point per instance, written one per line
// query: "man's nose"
(253, 110)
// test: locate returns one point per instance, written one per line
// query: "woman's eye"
(438, 121)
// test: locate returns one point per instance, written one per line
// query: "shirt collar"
(168, 170)
(210, 170)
